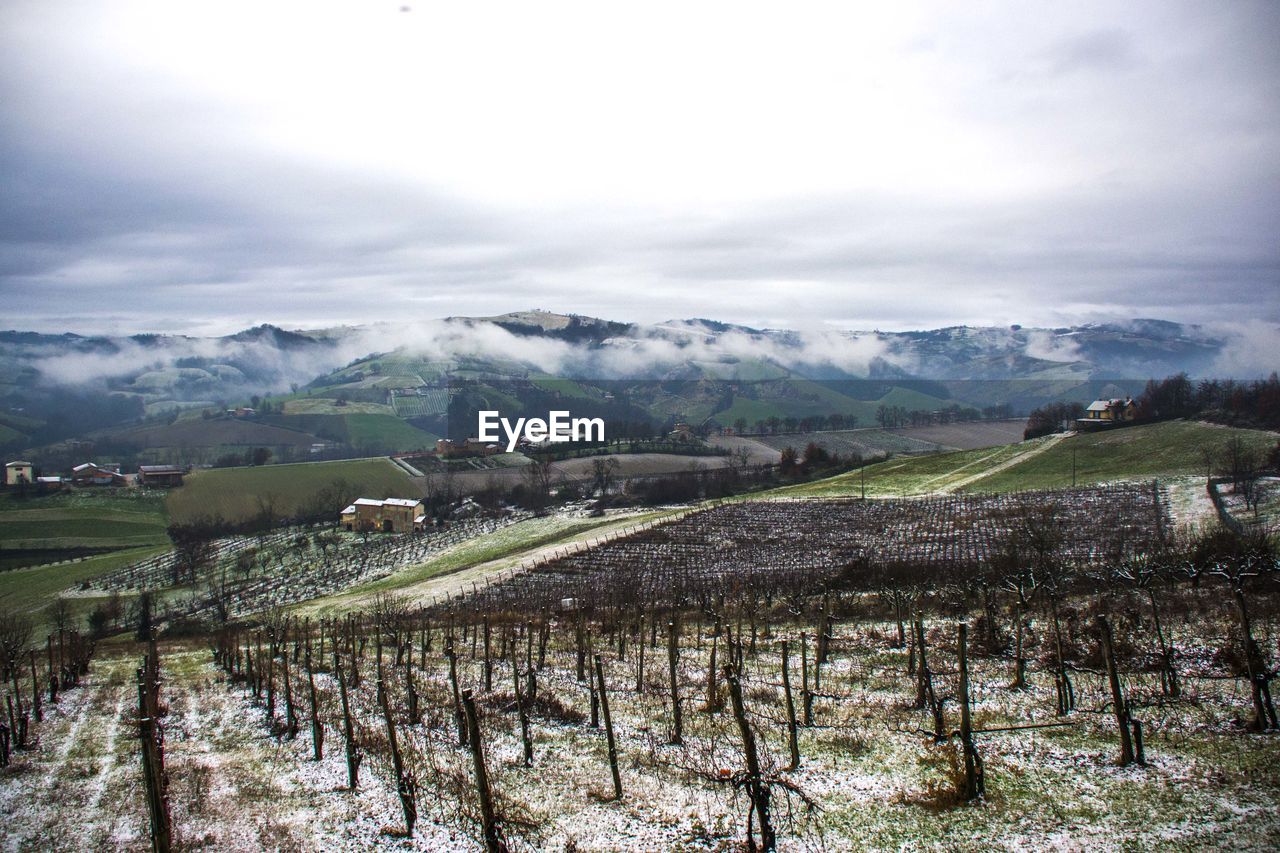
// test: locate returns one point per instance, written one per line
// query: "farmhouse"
(393, 515)
(682, 432)
(160, 475)
(17, 473)
(93, 474)
(47, 485)
(1105, 413)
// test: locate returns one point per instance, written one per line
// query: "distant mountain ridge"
(69, 384)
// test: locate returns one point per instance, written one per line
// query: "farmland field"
(867, 443)
(432, 401)
(801, 398)
(1169, 449)
(32, 589)
(969, 435)
(46, 528)
(380, 433)
(869, 775)
(198, 432)
(329, 406)
(234, 493)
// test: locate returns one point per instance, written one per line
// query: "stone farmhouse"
(393, 515)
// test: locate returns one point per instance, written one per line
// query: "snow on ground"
(877, 781)
(1189, 503)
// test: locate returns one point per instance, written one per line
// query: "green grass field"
(1154, 450)
(100, 518)
(508, 542)
(1169, 449)
(233, 493)
(805, 398)
(329, 406)
(33, 589)
(388, 433)
(380, 433)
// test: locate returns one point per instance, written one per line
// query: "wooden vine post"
(974, 785)
(348, 728)
(489, 823)
(608, 728)
(404, 782)
(317, 730)
(793, 740)
(673, 662)
(151, 735)
(1119, 705)
(757, 785)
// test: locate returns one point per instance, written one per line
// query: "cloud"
(886, 167)
(1249, 349)
(1051, 347)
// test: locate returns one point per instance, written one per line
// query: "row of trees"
(1247, 404)
(887, 417)
(1254, 404)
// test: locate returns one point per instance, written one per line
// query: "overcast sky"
(205, 166)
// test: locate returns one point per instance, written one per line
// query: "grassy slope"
(1155, 450)
(130, 519)
(31, 590)
(103, 518)
(329, 406)
(515, 542)
(217, 432)
(361, 429)
(387, 431)
(233, 492)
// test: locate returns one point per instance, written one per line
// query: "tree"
(537, 480)
(15, 635)
(1242, 466)
(603, 470)
(60, 614)
(193, 548)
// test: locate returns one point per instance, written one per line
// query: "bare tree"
(15, 636)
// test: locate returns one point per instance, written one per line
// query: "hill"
(239, 494)
(55, 387)
(1161, 450)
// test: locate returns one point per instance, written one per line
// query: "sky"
(201, 167)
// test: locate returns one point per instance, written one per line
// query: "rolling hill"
(1160, 450)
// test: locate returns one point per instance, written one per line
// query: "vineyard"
(1029, 670)
(804, 544)
(241, 575)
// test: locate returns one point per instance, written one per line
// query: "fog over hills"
(397, 378)
(267, 359)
